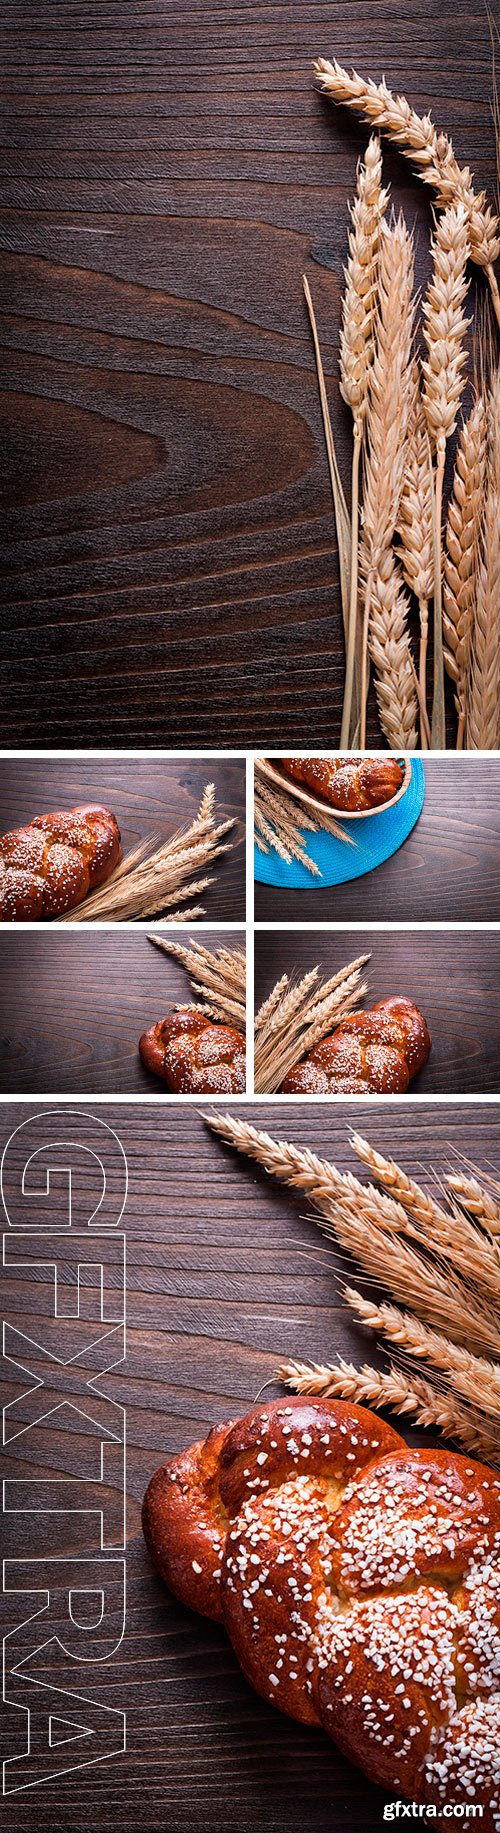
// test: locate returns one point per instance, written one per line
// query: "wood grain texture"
(166, 176)
(73, 1007)
(225, 1277)
(453, 979)
(154, 798)
(447, 871)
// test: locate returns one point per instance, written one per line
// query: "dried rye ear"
(483, 715)
(389, 404)
(443, 373)
(410, 1395)
(429, 151)
(415, 547)
(357, 347)
(461, 555)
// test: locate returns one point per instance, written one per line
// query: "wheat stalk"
(461, 554)
(269, 1005)
(279, 821)
(429, 151)
(373, 1227)
(483, 717)
(152, 878)
(280, 829)
(219, 978)
(341, 512)
(448, 1234)
(357, 348)
(474, 1198)
(315, 1177)
(390, 650)
(442, 1316)
(390, 394)
(414, 531)
(474, 1377)
(303, 1014)
(402, 1188)
(412, 1396)
(442, 387)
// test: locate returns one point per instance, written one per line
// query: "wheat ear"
(389, 642)
(476, 1378)
(414, 531)
(371, 1227)
(447, 1234)
(443, 382)
(341, 512)
(483, 718)
(389, 401)
(219, 978)
(476, 1200)
(410, 1395)
(357, 342)
(461, 555)
(306, 1012)
(431, 152)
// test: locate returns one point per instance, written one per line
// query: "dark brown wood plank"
(225, 1277)
(74, 1005)
(148, 798)
(165, 179)
(447, 871)
(452, 977)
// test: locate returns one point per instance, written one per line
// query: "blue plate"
(375, 839)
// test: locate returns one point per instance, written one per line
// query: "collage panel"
(377, 1011)
(135, 1013)
(250, 915)
(377, 839)
(111, 839)
(332, 1537)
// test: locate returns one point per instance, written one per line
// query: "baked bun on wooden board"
(359, 1581)
(375, 1052)
(194, 1056)
(49, 866)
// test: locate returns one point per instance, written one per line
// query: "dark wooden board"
(73, 1007)
(448, 870)
(166, 178)
(452, 977)
(151, 798)
(225, 1277)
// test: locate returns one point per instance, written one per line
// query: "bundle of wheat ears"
(280, 824)
(220, 979)
(403, 374)
(440, 1262)
(297, 1015)
(152, 879)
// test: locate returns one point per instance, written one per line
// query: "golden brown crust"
(185, 1524)
(47, 867)
(375, 1052)
(359, 1581)
(194, 1056)
(351, 783)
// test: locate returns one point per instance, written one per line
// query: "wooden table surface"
(166, 179)
(73, 1007)
(151, 798)
(448, 870)
(453, 979)
(225, 1277)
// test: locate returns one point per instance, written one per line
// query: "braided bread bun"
(49, 866)
(376, 1052)
(353, 783)
(359, 1582)
(194, 1056)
